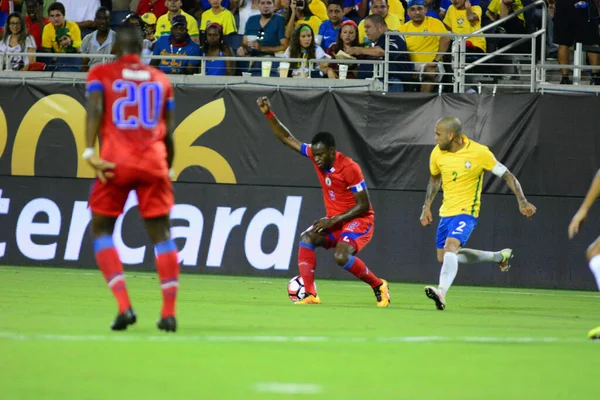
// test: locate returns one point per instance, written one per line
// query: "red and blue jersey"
(339, 183)
(133, 128)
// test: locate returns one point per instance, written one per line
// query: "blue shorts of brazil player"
(459, 227)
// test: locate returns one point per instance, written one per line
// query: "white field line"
(288, 388)
(145, 275)
(283, 339)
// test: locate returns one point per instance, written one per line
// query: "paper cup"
(284, 69)
(318, 39)
(251, 38)
(266, 68)
(343, 71)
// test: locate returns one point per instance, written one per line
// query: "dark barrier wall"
(550, 142)
(249, 223)
(253, 230)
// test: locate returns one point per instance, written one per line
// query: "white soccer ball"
(296, 290)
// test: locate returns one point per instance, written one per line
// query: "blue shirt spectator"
(329, 33)
(166, 46)
(269, 35)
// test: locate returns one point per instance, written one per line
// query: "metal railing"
(298, 63)
(463, 71)
(461, 66)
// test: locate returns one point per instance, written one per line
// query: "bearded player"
(131, 107)
(349, 224)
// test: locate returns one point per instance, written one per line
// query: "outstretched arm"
(526, 208)
(433, 187)
(280, 131)
(591, 196)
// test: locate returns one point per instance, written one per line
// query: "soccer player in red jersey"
(349, 224)
(131, 106)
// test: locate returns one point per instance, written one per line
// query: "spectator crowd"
(342, 30)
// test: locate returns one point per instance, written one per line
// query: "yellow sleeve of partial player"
(487, 159)
(433, 165)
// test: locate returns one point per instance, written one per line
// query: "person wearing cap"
(426, 51)
(379, 7)
(56, 12)
(177, 44)
(150, 21)
(65, 41)
(220, 15)
(163, 24)
(431, 12)
(100, 41)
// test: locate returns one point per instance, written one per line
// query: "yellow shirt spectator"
(391, 20)
(163, 25)
(517, 5)
(319, 9)
(395, 7)
(314, 22)
(49, 37)
(462, 176)
(423, 44)
(458, 23)
(225, 18)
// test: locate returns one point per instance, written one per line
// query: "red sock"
(307, 260)
(360, 270)
(167, 266)
(112, 269)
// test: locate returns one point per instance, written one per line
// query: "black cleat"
(124, 320)
(168, 324)
(437, 296)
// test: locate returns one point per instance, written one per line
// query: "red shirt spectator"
(35, 29)
(156, 7)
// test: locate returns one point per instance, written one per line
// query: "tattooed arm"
(433, 187)
(526, 208)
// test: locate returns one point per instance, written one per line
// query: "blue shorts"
(459, 227)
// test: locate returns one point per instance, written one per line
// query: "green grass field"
(242, 338)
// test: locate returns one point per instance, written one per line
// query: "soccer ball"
(296, 288)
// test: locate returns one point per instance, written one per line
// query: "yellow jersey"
(49, 37)
(163, 25)
(517, 5)
(319, 9)
(225, 18)
(391, 20)
(462, 176)
(314, 23)
(395, 7)
(423, 44)
(458, 23)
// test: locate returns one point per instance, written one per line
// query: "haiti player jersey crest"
(339, 183)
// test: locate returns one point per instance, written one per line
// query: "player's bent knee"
(309, 238)
(341, 258)
(593, 250)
